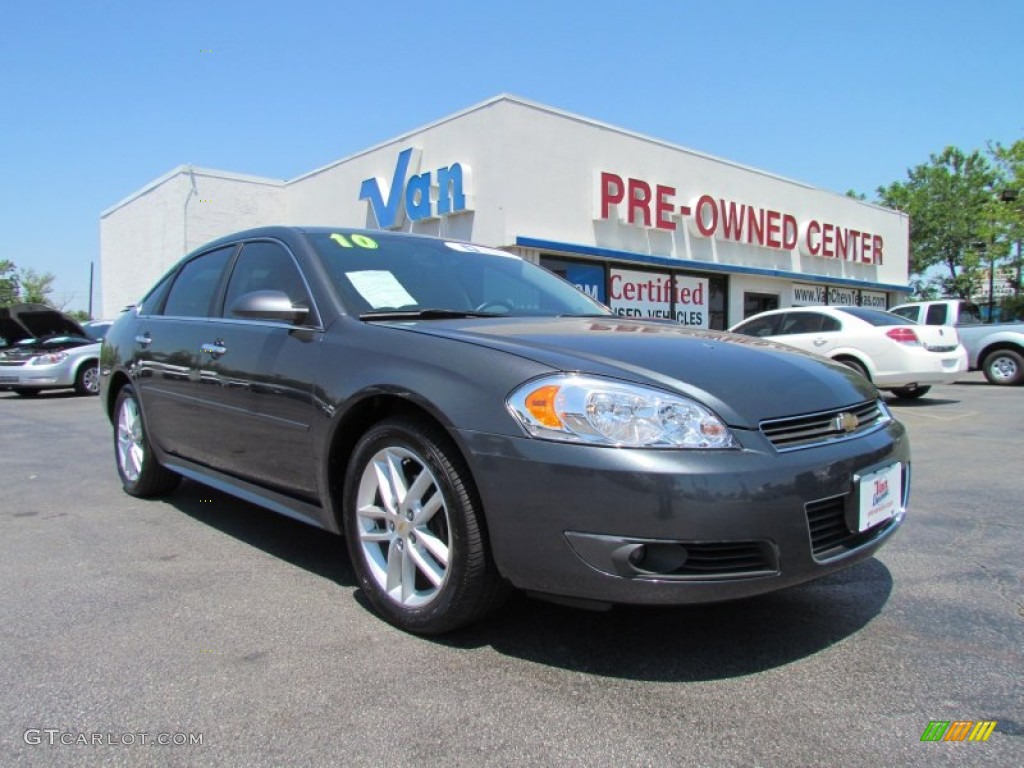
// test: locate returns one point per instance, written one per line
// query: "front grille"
(726, 559)
(830, 535)
(827, 426)
(706, 560)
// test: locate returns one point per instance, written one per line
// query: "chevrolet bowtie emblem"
(845, 422)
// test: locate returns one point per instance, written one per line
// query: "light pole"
(1009, 196)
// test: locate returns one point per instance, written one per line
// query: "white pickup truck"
(996, 348)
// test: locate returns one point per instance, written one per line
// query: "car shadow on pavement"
(674, 644)
(688, 643)
(304, 546)
(924, 402)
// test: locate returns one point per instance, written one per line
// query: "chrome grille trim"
(795, 432)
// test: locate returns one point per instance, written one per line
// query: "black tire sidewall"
(445, 611)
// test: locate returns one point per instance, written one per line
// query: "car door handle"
(214, 350)
(819, 342)
(143, 339)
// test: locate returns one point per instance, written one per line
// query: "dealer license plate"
(880, 495)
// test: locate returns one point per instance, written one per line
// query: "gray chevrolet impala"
(471, 424)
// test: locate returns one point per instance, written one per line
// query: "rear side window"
(936, 315)
(875, 317)
(802, 322)
(908, 312)
(196, 284)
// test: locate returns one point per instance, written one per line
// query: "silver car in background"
(44, 349)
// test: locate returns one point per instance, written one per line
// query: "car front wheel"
(1004, 366)
(87, 380)
(141, 474)
(414, 527)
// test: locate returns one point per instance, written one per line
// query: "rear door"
(810, 331)
(165, 354)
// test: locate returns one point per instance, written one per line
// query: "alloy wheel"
(403, 526)
(130, 440)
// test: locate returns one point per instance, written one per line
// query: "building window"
(759, 302)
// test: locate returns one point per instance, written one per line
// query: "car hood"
(35, 321)
(744, 379)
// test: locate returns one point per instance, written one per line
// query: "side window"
(830, 324)
(908, 312)
(801, 322)
(936, 315)
(149, 304)
(264, 266)
(196, 283)
(760, 327)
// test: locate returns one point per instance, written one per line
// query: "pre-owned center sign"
(644, 204)
(658, 294)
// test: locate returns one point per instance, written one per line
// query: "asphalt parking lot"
(202, 618)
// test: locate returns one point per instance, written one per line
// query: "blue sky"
(99, 98)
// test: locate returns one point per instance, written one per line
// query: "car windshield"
(385, 274)
(876, 316)
(96, 331)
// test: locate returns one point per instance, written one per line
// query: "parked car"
(995, 348)
(43, 348)
(472, 422)
(97, 329)
(893, 353)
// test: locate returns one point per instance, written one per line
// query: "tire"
(1004, 366)
(141, 474)
(414, 526)
(87, 380)
(26, 391)
(910, 393)
(851, 363)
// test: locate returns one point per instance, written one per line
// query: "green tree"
(1009, 163)
(8, 283)
(951, 204)
(35, 288)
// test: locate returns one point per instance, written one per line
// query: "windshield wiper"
(423, 314)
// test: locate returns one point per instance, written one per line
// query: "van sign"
(423, 196)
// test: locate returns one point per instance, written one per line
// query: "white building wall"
(144, 235)
(549, 185)
(529, 171)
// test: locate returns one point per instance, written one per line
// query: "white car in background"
(894, 353)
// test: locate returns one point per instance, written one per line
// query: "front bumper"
(672, 527)
(58, 375)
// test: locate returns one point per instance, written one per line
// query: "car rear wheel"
(1004, 366)
(141, 474)
(414, 526)
(26, 391)
(87, 380)
(910, 393)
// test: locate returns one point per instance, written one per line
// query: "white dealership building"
(648, 227)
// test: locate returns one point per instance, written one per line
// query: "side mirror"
(268, 305)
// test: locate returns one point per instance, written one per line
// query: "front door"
(256, 379)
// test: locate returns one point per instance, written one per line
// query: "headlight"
(588, 409)
(51, 359)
